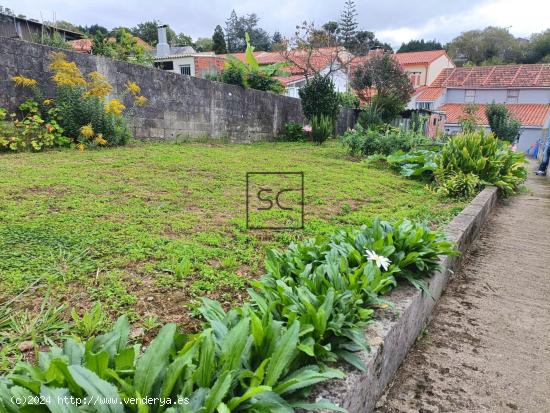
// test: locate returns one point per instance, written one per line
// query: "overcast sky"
(393, 21)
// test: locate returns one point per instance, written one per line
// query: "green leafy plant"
(418, 163)
(92, 322)
(321, 128)
(460, 185)
(349, 100)
(292, 132)
(364, 142)
(484, 155)
(251, 74)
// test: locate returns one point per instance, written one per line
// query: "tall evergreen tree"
(231, 32)
(218, 41)
(348, 24)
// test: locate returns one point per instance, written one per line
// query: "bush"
(260, 81)
(233, 76)
(460, 185)
(292, 132)
(319, 98)
(370, 118)
(321, 128)
(80, 110)
(484, 155)
(309, 309)
(349, 100)
(501, 123)
(365, 142)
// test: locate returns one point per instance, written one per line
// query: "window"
(165, 65)
(415, 78)
(470, 96)
(512, 96)
(185, 70)
(424, 105)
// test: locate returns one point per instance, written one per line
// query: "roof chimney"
(163, 48)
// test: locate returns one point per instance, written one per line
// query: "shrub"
(80, 110)
(360, 141)
(349, 100)
(233, 76)
(418, 163)
(35, 128)
(321, 128)
(460, 185)
(501, 123)
(319, 98)
(293, 132)
(260, 81)
(484, 155)
(370, 118)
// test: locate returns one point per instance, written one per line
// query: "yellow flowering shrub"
(87, 131)
(140, 100)
(65, 73)
(81, 115)
(98, 85)
(133, 88)
(24, 81)
(115, 107)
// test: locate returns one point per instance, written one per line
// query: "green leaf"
(97, 389)
(56, 397)
(218, 392)
(283, 355)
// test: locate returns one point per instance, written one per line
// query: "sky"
(392, 21)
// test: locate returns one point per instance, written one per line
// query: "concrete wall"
(180, 107)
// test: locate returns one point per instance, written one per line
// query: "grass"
(147, 229)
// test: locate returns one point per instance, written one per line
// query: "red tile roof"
(82, 45)
(430, 94)
(490, 77)
(527, 114)
(415, 58)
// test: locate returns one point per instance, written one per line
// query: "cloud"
(394, 21)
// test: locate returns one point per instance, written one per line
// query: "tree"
(391, 84)
(181, 39)
(94, 29)
(64, 25)
(235, 29)
(348, 24)
(420, 46)
(277, 42)
(538, 49)
(123, 46)
(148, 32)
(492, 45)
(218, 41)
(319, 98)
(364, 41)
(204, 44)
(501, 123)
(468, 121)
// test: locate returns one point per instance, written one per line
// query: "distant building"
(424, 67)
(31, 30)
(524, 89)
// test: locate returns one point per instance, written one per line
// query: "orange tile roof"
(490, 77)
(429, 94)
(82, 45)
(527, 114)
(414, 58)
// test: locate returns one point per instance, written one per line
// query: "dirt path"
(487, 348)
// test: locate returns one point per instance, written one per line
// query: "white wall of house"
(525, 95)
(417, 74)
(435, 68)
(339, 78)
(186, 62)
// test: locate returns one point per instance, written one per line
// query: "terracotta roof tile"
(411, 58)
(527, 114)
(490, 77)
(430, 94)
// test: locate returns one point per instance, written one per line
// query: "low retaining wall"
(179, 107)
(395, 331)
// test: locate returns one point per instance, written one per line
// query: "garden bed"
(148, 229)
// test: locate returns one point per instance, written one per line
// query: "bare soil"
(487, 347)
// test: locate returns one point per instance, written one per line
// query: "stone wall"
(179, 107)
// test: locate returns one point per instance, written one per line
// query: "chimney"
(163, 48)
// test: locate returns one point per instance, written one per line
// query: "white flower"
(380, 261)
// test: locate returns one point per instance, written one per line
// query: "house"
(31, 30)
(184, 59)
(424, 67)
(525, 89)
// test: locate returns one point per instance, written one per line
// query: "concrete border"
(393, 332)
